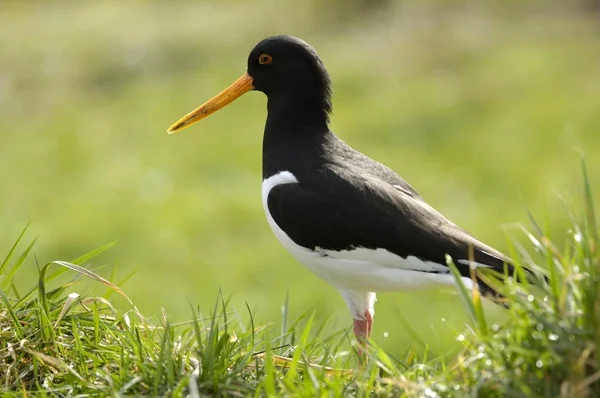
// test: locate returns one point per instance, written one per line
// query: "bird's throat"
(310, 111)
(294, 133)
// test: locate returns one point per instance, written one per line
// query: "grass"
(63, 342)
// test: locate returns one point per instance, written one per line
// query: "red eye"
(265, 59)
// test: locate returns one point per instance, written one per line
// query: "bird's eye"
(265, 59)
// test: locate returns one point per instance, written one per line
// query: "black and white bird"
(347, 218)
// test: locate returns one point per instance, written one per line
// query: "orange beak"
(225, 97)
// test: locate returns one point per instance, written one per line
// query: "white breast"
(359, 269)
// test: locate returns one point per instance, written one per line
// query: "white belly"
(358, 269)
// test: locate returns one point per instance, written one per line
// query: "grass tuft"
(56, 339)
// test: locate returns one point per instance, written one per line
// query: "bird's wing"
(364, 212)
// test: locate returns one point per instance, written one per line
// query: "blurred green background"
(482, 106)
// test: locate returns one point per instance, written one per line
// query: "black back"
(344, 200)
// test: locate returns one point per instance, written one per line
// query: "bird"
(349, 219)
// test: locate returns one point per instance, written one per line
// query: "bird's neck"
(308, 109)
(295, 133)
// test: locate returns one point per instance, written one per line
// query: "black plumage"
(344, 200)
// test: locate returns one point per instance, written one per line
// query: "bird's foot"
(362, 331)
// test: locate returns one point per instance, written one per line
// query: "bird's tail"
(492, 294)
(489, 284)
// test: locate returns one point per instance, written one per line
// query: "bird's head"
(282, 67)
(285, 65)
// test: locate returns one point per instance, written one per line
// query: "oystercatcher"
(349, 219)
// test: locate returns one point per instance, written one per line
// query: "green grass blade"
(463, 292)
(591, 221)
(15, 320)
(10, 273)
(81, 259)
(87, 273)
(11, 252)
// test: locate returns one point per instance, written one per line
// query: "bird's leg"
(362, 307)
(362, 331)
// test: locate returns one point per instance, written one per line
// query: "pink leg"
(362, 331)
(361, 305)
